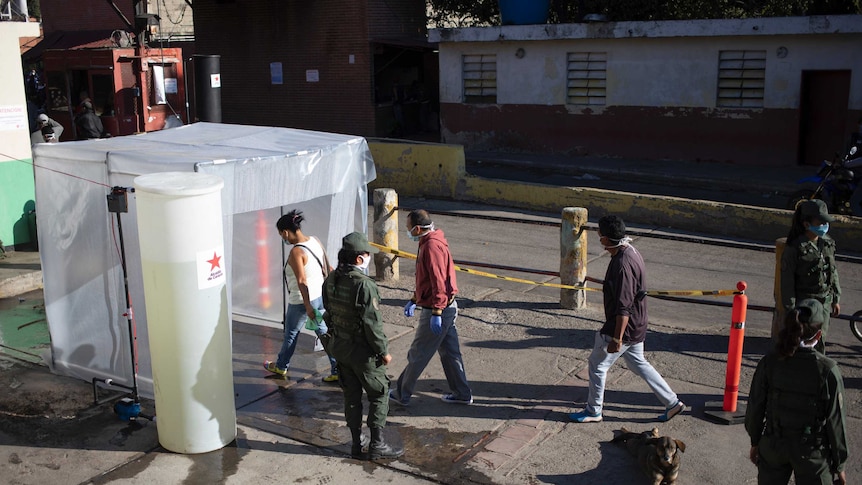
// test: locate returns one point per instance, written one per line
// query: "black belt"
(448, 304)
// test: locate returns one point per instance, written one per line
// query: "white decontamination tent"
(267, 172)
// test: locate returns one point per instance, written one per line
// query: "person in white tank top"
(306, 267)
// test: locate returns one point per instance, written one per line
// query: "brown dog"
(659, 456)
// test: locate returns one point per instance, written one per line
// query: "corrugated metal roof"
(88, 39)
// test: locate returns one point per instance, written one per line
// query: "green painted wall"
(17, 198)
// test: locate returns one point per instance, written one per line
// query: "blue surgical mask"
(821, 230)
(416, 238)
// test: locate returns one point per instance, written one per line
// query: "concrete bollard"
(385, 228)
(573, 256)
(778, 314)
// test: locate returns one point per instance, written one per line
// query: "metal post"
(778, 314)
(207, 87)
(386, 233)
(573, 256)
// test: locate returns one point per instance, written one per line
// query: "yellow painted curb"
(439, 172)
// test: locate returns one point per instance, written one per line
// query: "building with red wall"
(359, 67)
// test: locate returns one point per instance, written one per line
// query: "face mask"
(412, 237)
(622, 242)
(417, 238)
(808, 344)
(820, 231)
(366, 260)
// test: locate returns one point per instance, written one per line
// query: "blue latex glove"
(436, 324)
(409, 308)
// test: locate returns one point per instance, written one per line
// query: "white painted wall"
(15, 143)
(671, 64)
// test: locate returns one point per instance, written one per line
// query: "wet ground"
(525, 358)
(23, 328)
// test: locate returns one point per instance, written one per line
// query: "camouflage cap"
(810, 311)
(356, 241)
(815, 208)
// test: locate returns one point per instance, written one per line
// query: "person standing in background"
(795, 416)
(360, 347)
(808, 267)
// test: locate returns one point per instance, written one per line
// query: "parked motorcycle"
(856, 325)
(836, 181)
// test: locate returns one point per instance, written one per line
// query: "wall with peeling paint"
(438, 172)
(662, 80)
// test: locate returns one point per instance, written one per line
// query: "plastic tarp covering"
(267, 172)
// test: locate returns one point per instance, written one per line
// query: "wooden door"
(822, 115)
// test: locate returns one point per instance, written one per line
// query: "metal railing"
(14, 10)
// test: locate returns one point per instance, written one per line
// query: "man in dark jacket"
(625, 327)
(89, 124)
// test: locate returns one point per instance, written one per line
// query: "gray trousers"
(424, 345)
(600, 361)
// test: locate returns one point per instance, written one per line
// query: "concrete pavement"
(524, 355)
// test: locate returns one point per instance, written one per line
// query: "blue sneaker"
(452, 399)
(394, 399)
(585, 417)
(672, 411)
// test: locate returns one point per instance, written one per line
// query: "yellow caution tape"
(404, 254)
(396, 252)
(694, 292)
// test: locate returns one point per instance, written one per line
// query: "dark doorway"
(823, 115)
(406, 87)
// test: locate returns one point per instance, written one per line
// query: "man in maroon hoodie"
(435, 296)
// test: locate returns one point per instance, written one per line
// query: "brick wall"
(303, 36)
(392, 18)
(77, 15)
(69, 15)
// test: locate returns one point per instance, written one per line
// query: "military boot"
(359, 445)
(379, 448)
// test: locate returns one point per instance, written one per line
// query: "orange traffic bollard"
(734, 348)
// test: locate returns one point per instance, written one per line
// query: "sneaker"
(451, 399)
(331, 378)
(672, 411)
(270, 366)
(394, 399)
(585, 417)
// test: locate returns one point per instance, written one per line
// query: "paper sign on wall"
(210, 264)
(275, 73)
(159, 84)
(312, 76)
(215, 80)
(13, 117)
(171, 85)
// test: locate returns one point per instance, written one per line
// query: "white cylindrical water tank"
(183, 267)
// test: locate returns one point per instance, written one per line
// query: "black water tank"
(207, 88)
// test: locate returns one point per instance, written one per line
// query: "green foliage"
(34, 9)
(462, 13)
(467, 13)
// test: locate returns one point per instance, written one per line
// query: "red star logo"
(215, 261)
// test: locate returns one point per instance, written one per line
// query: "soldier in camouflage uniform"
(808, 263)
(358, 344)
(795, 415)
